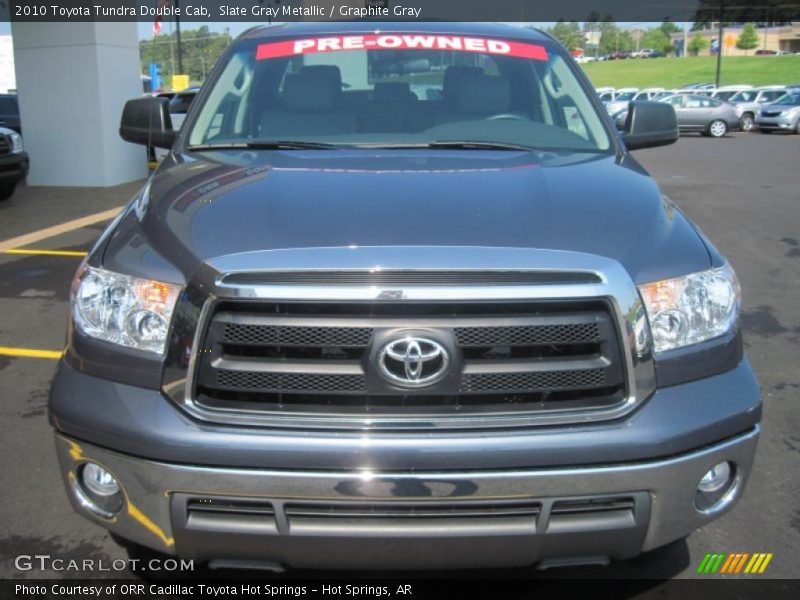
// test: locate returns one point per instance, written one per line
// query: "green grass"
(676, 72)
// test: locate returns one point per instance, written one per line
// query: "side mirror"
(146, 121)
(650, 124)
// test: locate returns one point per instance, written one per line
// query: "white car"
(621, 100)
(725, 92)
(606, 94)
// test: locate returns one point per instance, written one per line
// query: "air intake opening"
(230, 515)
(593, 514)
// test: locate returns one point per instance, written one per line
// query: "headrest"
(453, 76)
(314, 88)
(483, 94)
(393, 92)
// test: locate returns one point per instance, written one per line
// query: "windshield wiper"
(452, 144)
(266, 145)
(477, 145)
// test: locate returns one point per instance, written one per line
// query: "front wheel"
(718, 128)
(747, 122)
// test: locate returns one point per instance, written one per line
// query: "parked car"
(621, 100)
(626, 95)
(606, 94)
(648, 93)
(646, 53)
(747, 102)
(619, 55)
(14, 162)
(781, 115)
(317, 337)
(698, 114)
(726, 92)
(704, 115)
(9, 112)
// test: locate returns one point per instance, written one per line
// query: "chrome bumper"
(662, 491)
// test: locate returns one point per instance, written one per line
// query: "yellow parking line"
(43, 234)
(30, 353)
(45, 252)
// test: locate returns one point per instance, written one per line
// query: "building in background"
(780, 38)
(8, 78)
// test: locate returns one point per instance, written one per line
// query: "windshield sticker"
(400, 42)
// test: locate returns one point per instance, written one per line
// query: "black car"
(13, 162)
(9, 112)
(367, 326)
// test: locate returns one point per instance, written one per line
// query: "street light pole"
(719, 39)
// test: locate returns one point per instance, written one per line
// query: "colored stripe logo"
(745, 563)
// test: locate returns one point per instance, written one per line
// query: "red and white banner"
(343, 43)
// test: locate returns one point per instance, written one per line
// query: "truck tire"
(7, 190)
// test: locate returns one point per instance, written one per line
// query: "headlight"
(124, 310)
(16, 143)
(691, 309)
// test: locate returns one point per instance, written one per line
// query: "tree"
(568, 34)
(657, 40)
(201, 49)
(748, 39)
(697, 43)
(668, 27)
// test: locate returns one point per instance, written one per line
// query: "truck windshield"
(395, 90)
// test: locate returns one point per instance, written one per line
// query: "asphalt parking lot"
(744, 193)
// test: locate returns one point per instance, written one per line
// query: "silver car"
(781, 115)
(708, 116)
(747, 102)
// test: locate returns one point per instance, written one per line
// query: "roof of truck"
(340, 27)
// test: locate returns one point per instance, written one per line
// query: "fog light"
(98, 480)
(717, 488)
(98, 490)
(715, 478)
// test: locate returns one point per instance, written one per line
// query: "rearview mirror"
(650, 124)
(146, 121)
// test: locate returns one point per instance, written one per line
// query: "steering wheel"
(509, 116)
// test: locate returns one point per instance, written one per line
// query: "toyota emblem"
(413, 361)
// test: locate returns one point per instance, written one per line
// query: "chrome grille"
(319, 359)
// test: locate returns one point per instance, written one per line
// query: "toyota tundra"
(400, 297)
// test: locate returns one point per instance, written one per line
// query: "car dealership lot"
(742, 190)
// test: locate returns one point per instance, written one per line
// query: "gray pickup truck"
(401, 298)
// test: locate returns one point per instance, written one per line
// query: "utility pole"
(178, 35)
(685, 28)
(719, 39)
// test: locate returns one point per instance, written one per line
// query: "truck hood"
(202, 206)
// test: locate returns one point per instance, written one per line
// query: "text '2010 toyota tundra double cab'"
(399, 297)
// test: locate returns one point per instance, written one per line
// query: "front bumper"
(336, 519)
(776, 123)
(14, 167)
